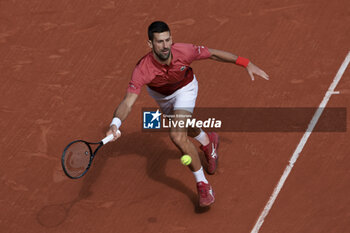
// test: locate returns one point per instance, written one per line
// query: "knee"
(179, 138)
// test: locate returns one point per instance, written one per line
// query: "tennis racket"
(78, 156)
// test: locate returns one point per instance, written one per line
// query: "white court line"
(301, 144)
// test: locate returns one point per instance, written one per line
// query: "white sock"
(202, 138)
(199, 176)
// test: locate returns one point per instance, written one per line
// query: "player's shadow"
(152, 146)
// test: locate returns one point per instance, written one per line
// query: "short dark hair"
(158, 27)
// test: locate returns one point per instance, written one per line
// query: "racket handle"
(109, 138)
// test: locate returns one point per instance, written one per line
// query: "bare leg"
(179, 137)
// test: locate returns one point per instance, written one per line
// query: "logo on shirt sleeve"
(199, 49)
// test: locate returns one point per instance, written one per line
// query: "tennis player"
(171, 82)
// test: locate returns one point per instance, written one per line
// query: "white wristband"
(116, 121)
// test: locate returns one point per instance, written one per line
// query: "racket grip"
(109, 138)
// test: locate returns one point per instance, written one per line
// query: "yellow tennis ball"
(186, 160)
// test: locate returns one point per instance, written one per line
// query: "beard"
(161, 56)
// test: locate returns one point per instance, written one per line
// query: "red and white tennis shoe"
(211, 152)
(206, 194)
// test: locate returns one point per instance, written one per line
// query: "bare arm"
(223, 56)
(122, 112)
(125, 106)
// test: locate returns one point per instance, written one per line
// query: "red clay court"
(65, 66)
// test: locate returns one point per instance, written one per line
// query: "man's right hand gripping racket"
(78, 156)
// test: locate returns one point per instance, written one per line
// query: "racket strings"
(77, 159)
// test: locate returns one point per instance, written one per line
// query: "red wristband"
(242, 61)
